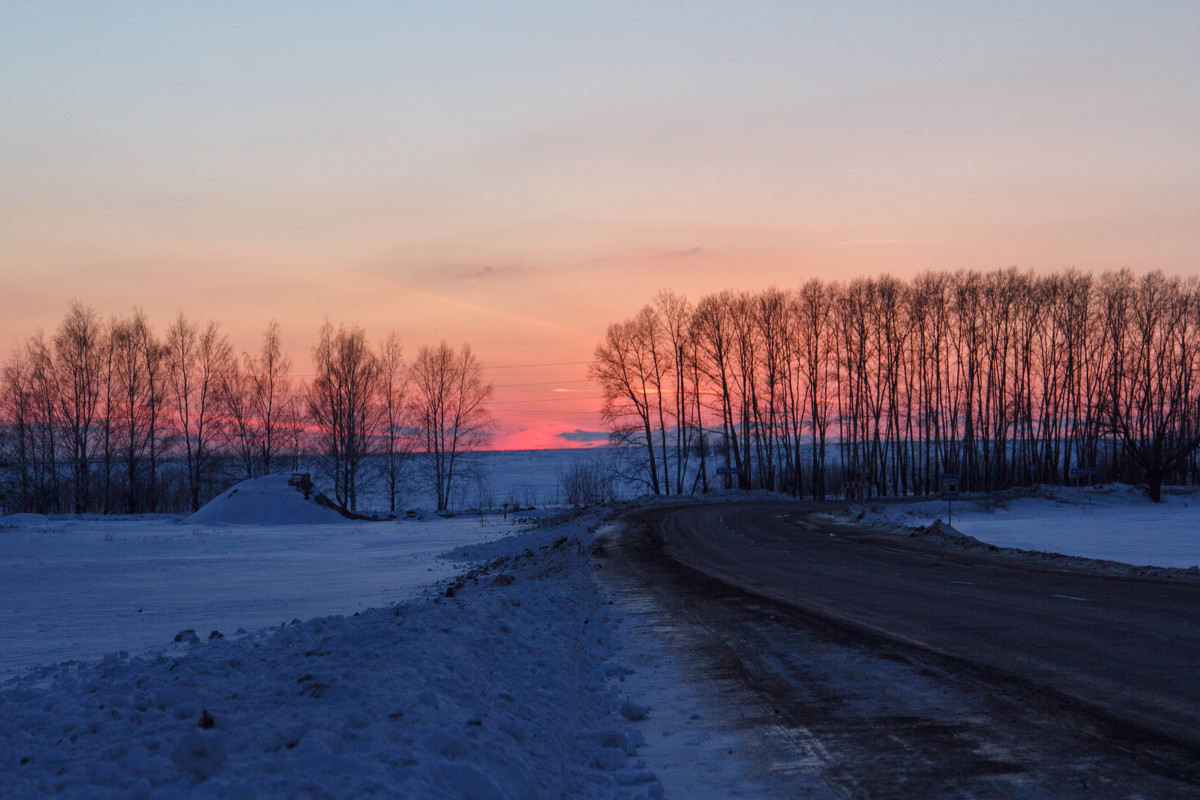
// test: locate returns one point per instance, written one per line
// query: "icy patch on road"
(697, 747)
(494, 687)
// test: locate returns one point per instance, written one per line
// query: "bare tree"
(449, 407)
(674, 314)
(236, 395)
(43, 381)
(815, 307)
(1153, 411)
(78, 349)
(270, 376)
(712, 328)
(623, 366)
(343, 409)
(19, 417)
(768, 314)
(196, 362)
(109, 414)
(132, 411)
(395, 438)
(256, 398)
(154, 356)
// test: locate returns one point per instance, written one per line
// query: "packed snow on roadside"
(1110, 523)
(496, 685)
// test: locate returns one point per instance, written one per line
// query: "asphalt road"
(1126, 647)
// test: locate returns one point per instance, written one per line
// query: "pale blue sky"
(527, 172)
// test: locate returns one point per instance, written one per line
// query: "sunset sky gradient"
(518, 175)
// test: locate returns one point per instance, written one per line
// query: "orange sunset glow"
(518, 176)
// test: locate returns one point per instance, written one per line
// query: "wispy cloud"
(578, 435)
(480, 274)
(427, 274)
(876, 242)
(673, 254)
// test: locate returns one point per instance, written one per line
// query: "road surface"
(969, 674)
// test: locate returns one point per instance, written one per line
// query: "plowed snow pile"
(263, 501)
(498, 686)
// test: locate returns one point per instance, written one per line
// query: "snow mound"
(263, 501)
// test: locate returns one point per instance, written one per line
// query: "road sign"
(1086, 472)
(728, 471)
(949, 487)
(950, 494)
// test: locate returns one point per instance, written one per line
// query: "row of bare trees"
(367, 405)
(107, 417)
(880, 387)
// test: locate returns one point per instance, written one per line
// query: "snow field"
(1113, 522)
(512, 680)
(76, 589)
(501, 690)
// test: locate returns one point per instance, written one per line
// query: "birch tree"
(450, 409)
(343, 409)
(196, 363)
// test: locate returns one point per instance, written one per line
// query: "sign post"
(728, 472)
(950, 494)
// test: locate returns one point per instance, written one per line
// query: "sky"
(519, 175)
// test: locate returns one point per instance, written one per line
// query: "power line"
(547, 364)
(539, 383)
(538, 402)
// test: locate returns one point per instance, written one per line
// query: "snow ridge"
(494, 687)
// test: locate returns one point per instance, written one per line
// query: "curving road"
(1129, 647)
(863, 664)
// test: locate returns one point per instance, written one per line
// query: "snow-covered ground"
(81, 588)
(503, 690)
(493, 478)
(1110, 523)
(511, 679)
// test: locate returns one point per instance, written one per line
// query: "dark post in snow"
(950, 494)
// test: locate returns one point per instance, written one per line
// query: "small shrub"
(586, 485)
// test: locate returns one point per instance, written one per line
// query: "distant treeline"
(108, 417)
(880, 386)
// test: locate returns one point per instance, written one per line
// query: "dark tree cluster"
(879, 387)
(105, 416)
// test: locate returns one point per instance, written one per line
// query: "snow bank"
(495, 687)
(263, 501)
(24, 521)
(1111, 523)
